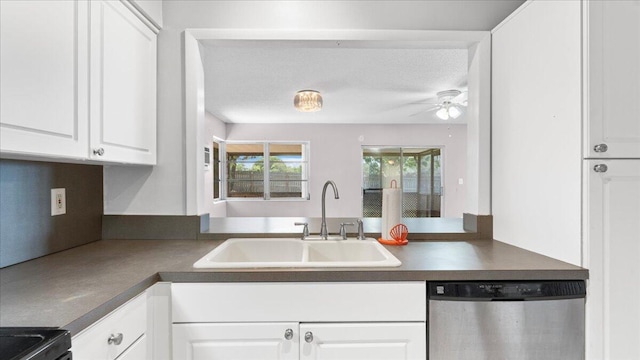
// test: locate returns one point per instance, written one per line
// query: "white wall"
(336, 155)
(478, 196)
(212, 127)
(536, 129)
(162, 189)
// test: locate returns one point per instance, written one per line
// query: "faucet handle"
(361, 230)
(305, 230)
(343, 231)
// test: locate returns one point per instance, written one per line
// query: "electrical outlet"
(58, 202)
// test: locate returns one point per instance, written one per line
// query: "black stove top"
(33, 343)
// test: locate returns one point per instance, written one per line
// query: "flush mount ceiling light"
(308, 101)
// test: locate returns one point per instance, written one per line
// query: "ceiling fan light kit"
(442, 114)
(451, 104)
(449, 109)
(308, 101)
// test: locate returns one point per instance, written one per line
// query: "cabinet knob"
(115, 339)
(600, 168)
(98, 151)
(308, 336)
(600, 148)
(288, 334)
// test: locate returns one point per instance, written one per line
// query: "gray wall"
(27, 229)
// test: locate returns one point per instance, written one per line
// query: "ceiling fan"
(451, 104)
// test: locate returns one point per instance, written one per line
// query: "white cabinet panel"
(613, 78)
(536, 129)
(44, 78)
(363, 341)
(123, 86)
(612, 254)
(241, 341)
(310, 302)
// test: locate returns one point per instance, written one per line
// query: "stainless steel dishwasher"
(506, 320)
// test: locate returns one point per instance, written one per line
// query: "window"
(417, 170)
(265, 170)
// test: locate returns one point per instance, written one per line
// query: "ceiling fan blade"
(425, 103)
(461, 99)
(426, 110)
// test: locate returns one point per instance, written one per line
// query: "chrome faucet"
(323, 226)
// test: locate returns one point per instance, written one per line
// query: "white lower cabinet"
(304, 341)
(363, 341)
(265, 341)
(290, 321)
(612, 254)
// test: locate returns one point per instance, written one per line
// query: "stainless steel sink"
(267, 252)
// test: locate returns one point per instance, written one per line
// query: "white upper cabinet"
(612, 44)
(78, 81)
(123, 83)
(44, 61)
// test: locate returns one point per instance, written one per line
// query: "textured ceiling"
(256, 83)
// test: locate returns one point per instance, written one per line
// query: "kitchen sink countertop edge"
(76, 287)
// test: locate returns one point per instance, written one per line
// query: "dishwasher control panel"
(504, 290)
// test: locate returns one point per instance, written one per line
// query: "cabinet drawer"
(137, 351)
(318, 302)
(130, 320)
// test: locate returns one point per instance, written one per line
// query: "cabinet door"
(123, 85)
(613, 78)
(237, 341)
(44, 60)
(365, 341)
(612, 255)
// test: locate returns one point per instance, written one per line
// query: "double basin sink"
(285, 252)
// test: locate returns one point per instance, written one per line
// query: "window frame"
(266, 196)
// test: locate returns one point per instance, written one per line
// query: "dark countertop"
(76, 287)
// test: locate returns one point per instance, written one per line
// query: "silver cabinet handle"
(115, 339)
(99, 151)
(288, 334)
(600, 148)
(600, 168)
(308, 336)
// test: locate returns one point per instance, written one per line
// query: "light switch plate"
(58, 202)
